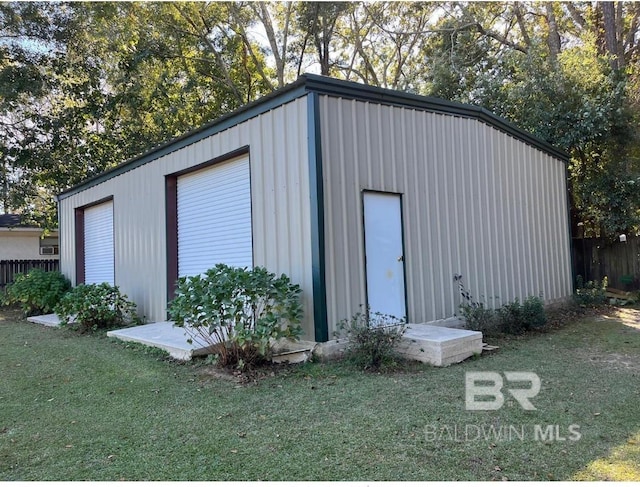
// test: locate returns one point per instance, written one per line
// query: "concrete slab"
(293, 352)
(432, 344)
(173, 339)
(163, 335)
(439, 346)
(293, 357)
(436, 345)
(47, 320)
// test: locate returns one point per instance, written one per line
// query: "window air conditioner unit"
(49, 250)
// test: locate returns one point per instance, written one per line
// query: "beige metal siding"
(476, 202)
(278, 154)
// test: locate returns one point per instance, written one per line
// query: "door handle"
(401, 258)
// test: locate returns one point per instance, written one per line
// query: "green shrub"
(532, 313)
(593, 293)
(372, 338)
(479, 318)
(509, 318)
(89, 307)
(237, 313)
(512, 318)
(37, 291)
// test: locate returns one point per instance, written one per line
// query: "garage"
(363, 196)
(214, 217)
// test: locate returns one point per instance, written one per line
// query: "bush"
(37, 291)
(509, 318)
(237, 313)
(512, 318)
(479, 318)
(532, 313)
(372, 338)
(593, 293)
(89, 307)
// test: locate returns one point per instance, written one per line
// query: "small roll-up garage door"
(214, 217)
(98, 244)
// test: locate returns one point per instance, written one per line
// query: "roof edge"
(272, 100)
(17, 228)
(336, 87)
(326, 85)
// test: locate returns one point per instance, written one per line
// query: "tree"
(46, 93)
(382, 43)
(86, 86)
(277, 21)
(550, 69)
(318, 21)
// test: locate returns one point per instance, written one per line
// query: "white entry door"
(384, 253)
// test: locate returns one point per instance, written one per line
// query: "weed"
(372, 338)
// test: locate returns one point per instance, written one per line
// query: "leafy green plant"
(511, 318)
(89, 307)
(591, 293)
(237, 312)
(532, 313)
(479, 318)
(37, 291)
(372, 338)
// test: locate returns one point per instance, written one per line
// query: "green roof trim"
(323, 85)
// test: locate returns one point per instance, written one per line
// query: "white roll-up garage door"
(98, 244)
(214, 218)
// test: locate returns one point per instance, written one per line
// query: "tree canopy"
(85, 86)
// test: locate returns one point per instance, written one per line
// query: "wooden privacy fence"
(9, 268)
(596, 258)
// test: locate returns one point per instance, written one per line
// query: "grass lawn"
(89, 408)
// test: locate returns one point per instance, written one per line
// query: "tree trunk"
(261, 11)
(620, 35)
(553, 39)
(610, 38)
(521, 24)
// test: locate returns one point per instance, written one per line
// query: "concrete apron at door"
(429, 344)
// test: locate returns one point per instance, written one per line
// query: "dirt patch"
(559, 316)
(245, 377)
(616, 361)
(11, 313)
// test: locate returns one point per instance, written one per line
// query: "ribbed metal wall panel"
(476, 202)
(278, 154)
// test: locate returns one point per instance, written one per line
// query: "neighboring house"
(23, 242)
(361, 195)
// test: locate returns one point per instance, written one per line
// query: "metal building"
(359, 194)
